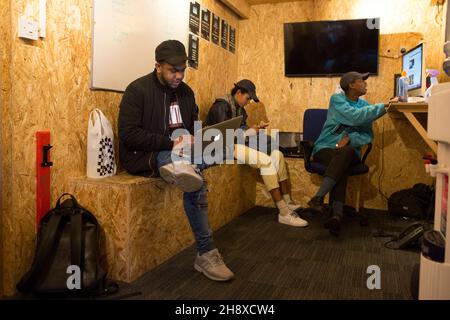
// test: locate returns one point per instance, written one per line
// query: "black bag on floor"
(66, 260)
(416, 202)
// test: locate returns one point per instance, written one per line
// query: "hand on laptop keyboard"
(182, 145)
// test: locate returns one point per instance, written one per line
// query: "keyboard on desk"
(416, 99)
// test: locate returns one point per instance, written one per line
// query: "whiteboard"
(125, 34)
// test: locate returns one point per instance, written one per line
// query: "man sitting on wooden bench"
(152, 108)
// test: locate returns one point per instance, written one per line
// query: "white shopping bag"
(100, 146)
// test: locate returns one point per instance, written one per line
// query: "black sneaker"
(316, 204)
(334, 225)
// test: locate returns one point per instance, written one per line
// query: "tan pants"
(272, 168)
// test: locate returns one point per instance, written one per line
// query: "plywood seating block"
(143, 220)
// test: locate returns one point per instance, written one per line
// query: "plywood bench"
(143, 219)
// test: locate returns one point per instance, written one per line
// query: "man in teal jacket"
(348, 128)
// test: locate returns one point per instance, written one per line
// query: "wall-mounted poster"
(215, 29)
(224, 35)
(206, 24)
(194, 18)
(232, 46)
(193, 51)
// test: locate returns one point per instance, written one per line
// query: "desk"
(408, 109)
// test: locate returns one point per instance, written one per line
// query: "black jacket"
(144, 122)
(221, 110)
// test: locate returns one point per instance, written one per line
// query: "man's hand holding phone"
(263, 125)
(255, 128)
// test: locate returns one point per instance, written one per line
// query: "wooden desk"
(408, 109)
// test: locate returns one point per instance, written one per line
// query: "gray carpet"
(275, 261)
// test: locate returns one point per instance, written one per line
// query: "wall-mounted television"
(331, 48)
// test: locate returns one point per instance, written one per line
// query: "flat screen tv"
(331, 48)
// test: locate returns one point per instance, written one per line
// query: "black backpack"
(416, 202)
(67, 249)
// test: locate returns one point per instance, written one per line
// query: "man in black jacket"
(153, 110)
(258, 155)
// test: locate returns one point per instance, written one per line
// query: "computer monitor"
(412, 63)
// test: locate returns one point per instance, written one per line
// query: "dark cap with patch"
(249, 87)
(351, 77)
(171, 51)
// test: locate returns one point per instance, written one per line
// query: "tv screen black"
(331, 48)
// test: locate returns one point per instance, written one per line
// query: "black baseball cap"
(249, 87)
(351, 77)
(171, 51)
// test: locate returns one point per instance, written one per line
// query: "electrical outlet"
(28, 29)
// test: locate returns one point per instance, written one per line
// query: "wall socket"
(28, 29)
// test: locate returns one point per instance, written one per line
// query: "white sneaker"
(292, 206)
(292, 219)
(212, 266)
(181, 175)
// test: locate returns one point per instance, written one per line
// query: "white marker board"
(125, 34)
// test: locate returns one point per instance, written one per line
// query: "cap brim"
(176, 60)
(254, 97)
(365, 76)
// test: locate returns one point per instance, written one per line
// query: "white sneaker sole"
(183, 180)
(299, 224)
(206, 274)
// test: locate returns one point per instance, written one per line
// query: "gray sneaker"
(212, 266)
(292, 219)
(181, 175)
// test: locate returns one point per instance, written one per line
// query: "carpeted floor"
(275, 261)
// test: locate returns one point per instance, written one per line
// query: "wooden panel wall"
(261, 60)
(5, 129)
(403, 24)
(217, 69)
(50, 91)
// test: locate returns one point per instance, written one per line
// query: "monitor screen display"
(412, 64)
(331, 48)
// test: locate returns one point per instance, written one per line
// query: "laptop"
(233, 123)
(216, 136)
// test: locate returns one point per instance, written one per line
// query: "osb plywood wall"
(5, 95)
(50, 91)
(217, 69)
(404, 23)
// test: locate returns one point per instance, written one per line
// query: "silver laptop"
(233, 123)
(216, 136)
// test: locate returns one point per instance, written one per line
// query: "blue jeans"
(195, 207)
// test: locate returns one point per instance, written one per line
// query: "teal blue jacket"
(352, 117)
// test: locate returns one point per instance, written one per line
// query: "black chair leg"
(363, 218)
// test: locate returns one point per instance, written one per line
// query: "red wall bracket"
(43, 166)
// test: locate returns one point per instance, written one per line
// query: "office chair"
(313, 121)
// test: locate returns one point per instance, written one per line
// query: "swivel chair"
(313, 121)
